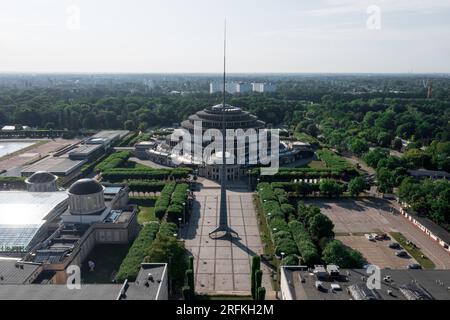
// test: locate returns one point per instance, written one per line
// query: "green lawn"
(303, 137)
(107, 259)
(413, 251)
(317, 164)
(146, 209)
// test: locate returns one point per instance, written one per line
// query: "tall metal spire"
(223, 230)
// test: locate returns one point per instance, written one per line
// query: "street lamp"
(184, 212)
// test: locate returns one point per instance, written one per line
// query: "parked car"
(401, 253)
(370, 237)
(394, 245)
(382, 236)
(414, 266)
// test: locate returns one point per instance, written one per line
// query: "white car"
(370, 237)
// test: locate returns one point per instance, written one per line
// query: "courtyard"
(223, 265)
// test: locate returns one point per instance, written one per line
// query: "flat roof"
(85, 149)
(22, 214)
(59, 292)
(302, 283)
(12, 272)
(426, 173)
(56, 165)
(436, 229)
(144, 288)
(110, 134)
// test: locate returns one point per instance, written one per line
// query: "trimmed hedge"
(289, 174)
(179, 197)
(305, 245)
(114, 160)
(163, 201)
(12, 182)
(146, 186)
(168, 229)
(131, 264)
(123, 174)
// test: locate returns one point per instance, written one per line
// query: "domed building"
(42, 181)
(235, 118)
(86, 196)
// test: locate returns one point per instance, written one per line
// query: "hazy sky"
(186, 36)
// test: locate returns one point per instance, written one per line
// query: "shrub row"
(305, 245)
(12, 183)
(179, 197)
(125, 142)
(168, 229)
(146, 186)
(122, 174)
(114, 160)
(89, 167)
(163, 202)
(131, 264)
(289, 174)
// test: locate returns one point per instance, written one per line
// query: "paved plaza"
(224, 265)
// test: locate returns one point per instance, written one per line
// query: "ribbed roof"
(41, 177)
(85, 187)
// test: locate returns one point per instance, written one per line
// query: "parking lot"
(376, 252)
(353, 218)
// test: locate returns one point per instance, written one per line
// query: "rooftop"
(56, 165)
(148, 283)
(84, 150)
(12, 272)
(145, 288)
(41, 177)
(85, 187)
(429, 173)
(303, 284)
(23, 213)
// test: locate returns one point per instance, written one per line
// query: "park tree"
(358, 146)
(357, 185)
(168, 249)
(330, 188)
(320, 226)
(335, 252)
(374, 156)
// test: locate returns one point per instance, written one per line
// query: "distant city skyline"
(265, 36)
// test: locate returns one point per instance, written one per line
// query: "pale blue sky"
(186, 36)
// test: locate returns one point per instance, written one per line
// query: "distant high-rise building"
(215, 87)
(230, 87)
(263, 87)
(244, 87)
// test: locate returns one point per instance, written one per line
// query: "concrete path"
(222, 265)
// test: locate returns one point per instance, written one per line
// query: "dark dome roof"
(41, 177)
(85, 187)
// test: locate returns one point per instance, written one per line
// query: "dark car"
(401, 253)
(414, 266)
(394, 245)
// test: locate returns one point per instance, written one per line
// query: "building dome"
(86, 196)
(235, 118)
(85, 187)
(42, 181)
